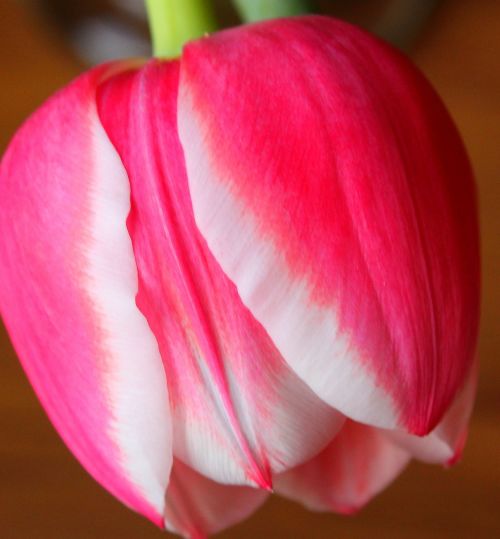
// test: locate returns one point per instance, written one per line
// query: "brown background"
(44, 494)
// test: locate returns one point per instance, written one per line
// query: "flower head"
(253, 266)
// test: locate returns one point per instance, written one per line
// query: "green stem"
(256, 10)
(174, 22)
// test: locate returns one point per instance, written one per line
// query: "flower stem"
(256, 10)
(174, 22)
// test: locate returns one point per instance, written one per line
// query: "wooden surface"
(44, 494)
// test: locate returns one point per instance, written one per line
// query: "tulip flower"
(253, 267)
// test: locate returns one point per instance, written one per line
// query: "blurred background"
(45, 494)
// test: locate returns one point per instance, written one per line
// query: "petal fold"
(69, 282)
(444, 444)
(239, 412)
(354, 467)
(197, 507)
(333, 189)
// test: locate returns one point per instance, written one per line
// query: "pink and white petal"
(197, 507)
(239, 412)
(69, 282)
(358, 464)
(445, 444)
(333, 189)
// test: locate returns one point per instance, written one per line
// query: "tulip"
(254, 267)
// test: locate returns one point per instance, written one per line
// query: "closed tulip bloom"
(254, 267)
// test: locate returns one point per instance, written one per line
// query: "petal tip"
(459, 451)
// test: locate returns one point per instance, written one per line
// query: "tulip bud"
(209, 263)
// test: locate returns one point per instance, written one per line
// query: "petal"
(197, 507)
(67, 298)
(332, 187)
(357, 465)
(239, 413)
(444, 445)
